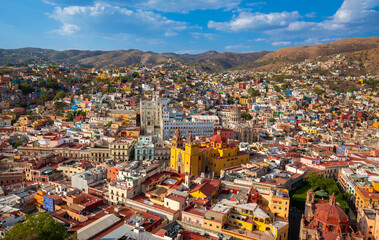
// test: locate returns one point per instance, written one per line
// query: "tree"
(109, 123)
(38, 226)
(313, 179)
(16, 144)
(278, 78)
(272, 120)
(318, 91)
(60, 95)
(59, 105)
(26, 88)
(135, 75)
(246, 115)
(253, 92)
(70, 116)
(50, 120)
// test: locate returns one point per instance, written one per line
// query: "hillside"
(207, 61)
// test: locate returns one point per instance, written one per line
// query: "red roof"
(207, 188)
(218, 139)
(331, 213)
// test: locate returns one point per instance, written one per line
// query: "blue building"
(144, 148)
(48, 203)
(341, 151)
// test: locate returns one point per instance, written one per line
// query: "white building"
(196, 128)
(84, 179)
(153, 112)
(206, 118)
(129, 182)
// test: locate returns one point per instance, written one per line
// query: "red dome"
(331, 213)
(218, 138)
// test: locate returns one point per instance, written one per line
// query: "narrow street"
(294, 222)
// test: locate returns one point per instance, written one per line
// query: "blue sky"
(183, 26)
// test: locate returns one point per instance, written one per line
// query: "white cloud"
(237, 46)
(157, 5)
(68, 29)
(354, 16)
(197, 35)
(185, 5)
(281, 43)
(106, 19)
(247, 21)
(193, 51)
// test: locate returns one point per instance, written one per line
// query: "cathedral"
(326, 220)
(244, 131)
(209, 157)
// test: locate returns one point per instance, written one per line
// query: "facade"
(144, 148)
(129, 183)
(366, 196)
(243, 131)
(90, 177)
(121, 149)
(169, 127)
(189, 157)
(368, 223)
(325, 220)
(69, 168)
(153, 112)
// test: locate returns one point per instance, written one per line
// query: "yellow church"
(210, 157)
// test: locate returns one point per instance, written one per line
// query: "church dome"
(331, 213)
(218, 138)
(235, 115)
(235, 110)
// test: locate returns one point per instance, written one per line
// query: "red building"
(326, 220)
(225, 132)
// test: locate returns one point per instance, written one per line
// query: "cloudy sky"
(183, 26)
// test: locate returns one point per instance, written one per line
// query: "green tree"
(272, 120)
(135, 75)
(278, 78)
(246, 115)
(318, 91)
(59, 105)
(50, 120)
(60, 95)
(313, 179)
(70, 116)
(26, 88)
(16, 144)
(109, 123)
(253, 92)
(39, 226)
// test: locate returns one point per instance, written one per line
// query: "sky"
(183, 26)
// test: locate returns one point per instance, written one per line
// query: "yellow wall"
(213, 225)
(361, 201)
(39, 198)
(193, 160)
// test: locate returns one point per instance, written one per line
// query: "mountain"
(207, 61)
(227, 60)
(290, 55)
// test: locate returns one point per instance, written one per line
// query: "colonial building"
(326, 220)
(243, 131)
(209, 157)
(153, 112)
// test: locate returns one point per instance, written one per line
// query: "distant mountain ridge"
(207, 61)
